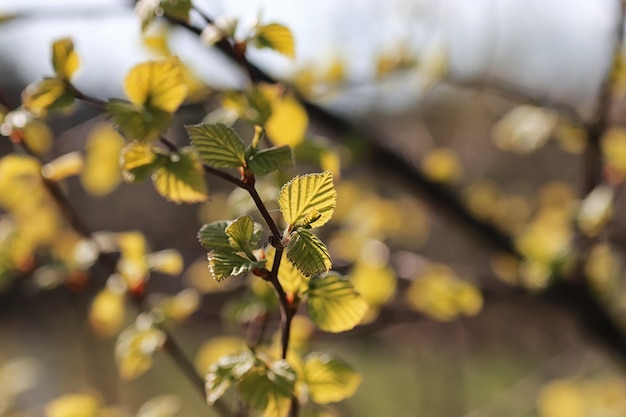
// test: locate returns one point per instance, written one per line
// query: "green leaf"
(138, 160)
(180, 178)
(137, 122)
(268, 389)
(178, 9)
(218, 145)
(308, 253)
(213, 236)
(329, 379)
(277, 37)
(47, 95)
(333, 303)
(227, 370)
(64, 60)
(305, 195)
(272, 159)
(243, 234)
(260, 104)
(225, 264)
(292, 280)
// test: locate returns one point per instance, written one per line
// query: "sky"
(559, 48)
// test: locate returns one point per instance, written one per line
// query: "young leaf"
(138, 161)
(134, 349)
(64, 60)
(218, 145)
(213, 236)
(227, 370)
(268, 389)
(329, 379)
(333, 304)
(79, 405)
(277, 37)
(157, 84)
(288, 122)
(268, 160)
(307, 193)
(138, 123)
(223, 264)
(47, 95)
(243, 234)
(308, 253)
(102, 161)
(180, 178)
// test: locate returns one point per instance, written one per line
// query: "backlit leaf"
(107, 312)
(243, 234)
(168, 261)
(375, 281)
(288, 123)
(333, 303)
(329, 379)
(269, 388)
(180, 306)
(218, 145)
(223, 265)
(308, 253)
(37, 135)
(64, 60)
(161, 406)
(180, 178)
(74, 405)
(49, 94)
(134, 348)
(213, 236)
(63, 167)
(137, 122)
(272, 159)
(306, 194)
(157, 84)
(102, 168)
(227, 370)
(277, 37)
(138, 161)
(442, 165)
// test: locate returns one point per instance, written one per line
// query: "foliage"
(287, 221)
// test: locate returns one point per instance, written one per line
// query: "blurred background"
(478, 151)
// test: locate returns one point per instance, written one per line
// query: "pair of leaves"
(264, 384)
(155, 89)
(219, 146)
(177, 176)
(54, 93)
(307, 202)
(231, 246)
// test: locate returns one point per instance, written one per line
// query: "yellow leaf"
(614, 149)
(158, 84)
(180, 178)
(211, 351)
(64, 166)
(524, 129)
(135, 346)
(133, 265)
(603, 268)
(64, 60)
(138, 160)
(102, 171)
(596, 210)
(46, 95)
(292, 280)
(288, 123)
(74, 405)
(561, 398)
(442, 165)
(277, 37)
(373, 278)
(107, 312)
(38, 136)
(329, 379)
(181, 305)
(168, 261)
